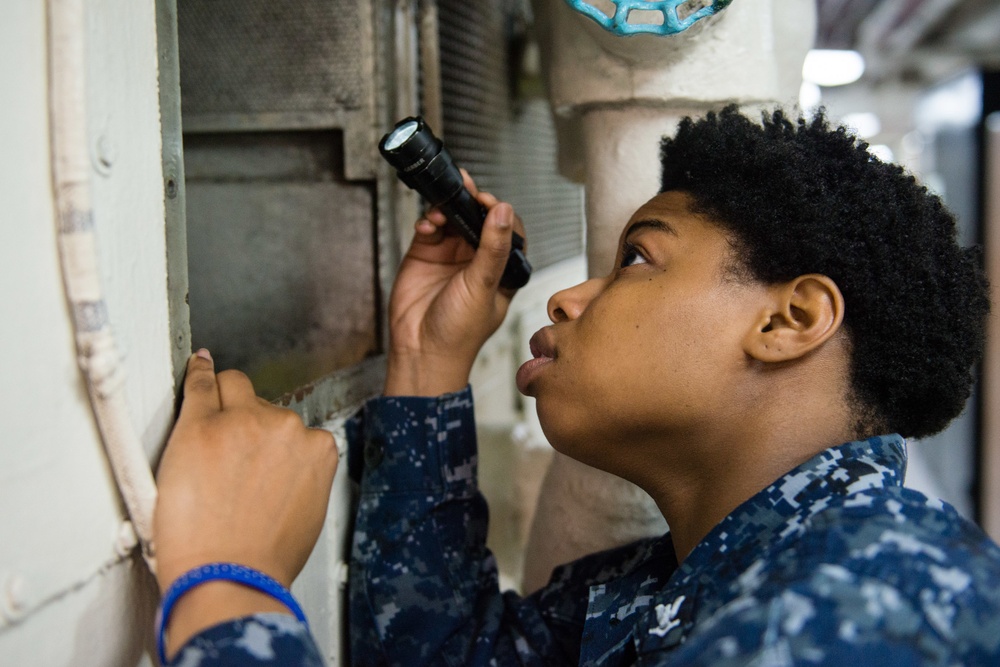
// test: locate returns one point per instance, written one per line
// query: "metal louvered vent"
(271, 62)
(508, 145)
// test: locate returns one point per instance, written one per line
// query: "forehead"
(674, 210)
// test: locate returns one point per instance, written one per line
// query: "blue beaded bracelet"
(214, 572)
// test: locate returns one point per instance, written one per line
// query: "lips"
(543, 353)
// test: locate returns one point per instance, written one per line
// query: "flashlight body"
(425, 165)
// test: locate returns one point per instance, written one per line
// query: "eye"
(631, 256)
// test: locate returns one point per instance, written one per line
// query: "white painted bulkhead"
(73, 588)
(69, 596)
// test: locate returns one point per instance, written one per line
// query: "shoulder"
(902, 535)
(884, 572)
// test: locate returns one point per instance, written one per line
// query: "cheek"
(677, 348)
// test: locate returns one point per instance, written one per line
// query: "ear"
(802, 315)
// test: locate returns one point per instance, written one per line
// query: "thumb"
(201, 387)
(488, 265)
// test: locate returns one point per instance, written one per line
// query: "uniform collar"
(776, 513)
(781, 509)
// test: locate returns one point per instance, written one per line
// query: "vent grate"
(508, 145)
(272, 63)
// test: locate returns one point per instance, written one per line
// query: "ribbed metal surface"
(258, 57)
(510, 153)
(551, 206)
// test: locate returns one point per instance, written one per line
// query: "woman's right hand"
(446, 300)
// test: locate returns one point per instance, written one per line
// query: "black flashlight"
(425, 165)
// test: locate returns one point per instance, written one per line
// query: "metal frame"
(990, 407)
(173, 187)
(403, 37)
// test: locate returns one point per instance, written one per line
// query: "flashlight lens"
(400, 135)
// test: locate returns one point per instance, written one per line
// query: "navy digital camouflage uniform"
(833, 564)
(262, 639)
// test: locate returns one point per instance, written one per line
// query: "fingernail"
(204, 354)
(506, 217)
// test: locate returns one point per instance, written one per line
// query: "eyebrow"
(650, 223)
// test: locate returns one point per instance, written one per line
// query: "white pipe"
(97, 350)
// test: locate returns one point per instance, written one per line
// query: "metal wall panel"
(253, 61)
(281, 251)
(278, 107)
(281, 64)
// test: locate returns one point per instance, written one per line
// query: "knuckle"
(207, 431)
(500, 247)
(288, 420)
(326, 440)
(200, 382)
(233, 375)
(322, 446)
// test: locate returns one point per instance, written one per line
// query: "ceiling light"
(828, 67)
(864, 123)
(810, 96)
(882, 152)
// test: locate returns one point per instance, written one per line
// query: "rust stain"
(296, 396)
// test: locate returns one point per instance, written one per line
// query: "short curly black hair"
(800, 196)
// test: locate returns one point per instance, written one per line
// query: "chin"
(565, 432)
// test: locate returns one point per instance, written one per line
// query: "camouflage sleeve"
(423, 586)
(274, 640)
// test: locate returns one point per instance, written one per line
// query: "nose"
(570, 303)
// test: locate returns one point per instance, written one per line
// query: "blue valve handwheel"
(672, 23)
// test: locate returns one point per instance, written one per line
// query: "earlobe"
(802, 315)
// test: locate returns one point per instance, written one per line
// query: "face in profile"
(650, 352)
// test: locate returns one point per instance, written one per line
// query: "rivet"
(126, 539)
(15, 597)
(106, 153)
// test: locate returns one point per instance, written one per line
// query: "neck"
(727, 468)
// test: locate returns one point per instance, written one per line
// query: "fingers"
(519, 229)
(428, 232)
(470, 184)
(325, 441)
(431, 230)
(487, 266)
(322, 437)
(436, 217)
(201, 390)
(236, 390)
(206, 392)
(485, 198)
